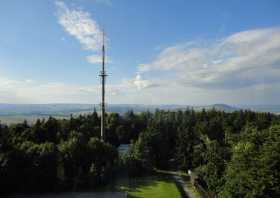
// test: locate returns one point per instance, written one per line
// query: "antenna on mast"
(103, 78)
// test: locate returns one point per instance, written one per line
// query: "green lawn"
(158, 189)
(154, 186)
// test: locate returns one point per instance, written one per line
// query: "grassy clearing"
(192, 191)
(152, 186)
(156, 188)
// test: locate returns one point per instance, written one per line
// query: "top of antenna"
(103, 37)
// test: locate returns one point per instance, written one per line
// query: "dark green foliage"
(206, 141)
(54, 155)
(254, 169)
(234, 154)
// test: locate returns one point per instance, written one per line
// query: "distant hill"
(11, 113)
(262, 108)
(218, 107)
(43, 109)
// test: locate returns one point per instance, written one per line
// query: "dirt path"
(189, 191)
(186, 188)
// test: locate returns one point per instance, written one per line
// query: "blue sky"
(159, 52)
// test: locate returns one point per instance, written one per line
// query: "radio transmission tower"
(103, 77)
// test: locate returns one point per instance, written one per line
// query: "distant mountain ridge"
(67, 109)
(14, 113)
(44, 109)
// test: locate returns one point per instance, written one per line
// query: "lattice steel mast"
(103, 78)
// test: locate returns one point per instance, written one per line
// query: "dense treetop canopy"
(234, 154)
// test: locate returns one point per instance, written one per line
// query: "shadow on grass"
(153, 183)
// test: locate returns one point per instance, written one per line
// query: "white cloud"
(79, 24)
(191, 73)
(97, 59)
(243, 59)
(29, 91)
(22, 91)
(94, 59)
(139, 83)
(142, 84)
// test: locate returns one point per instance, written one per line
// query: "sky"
(157, 52)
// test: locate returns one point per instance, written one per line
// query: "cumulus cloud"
(30, 91)
(240, 60)
(79, 24)
(94, 59)
(141, 83)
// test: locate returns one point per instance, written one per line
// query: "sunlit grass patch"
(154, 186)
(157, 188)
